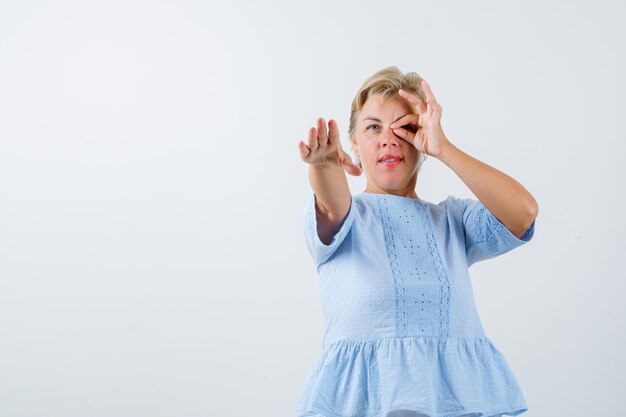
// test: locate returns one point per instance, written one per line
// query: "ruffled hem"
(421, 413)
(426, 376)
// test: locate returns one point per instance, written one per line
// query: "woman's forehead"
(380, 107)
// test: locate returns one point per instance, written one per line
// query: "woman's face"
(375, 139)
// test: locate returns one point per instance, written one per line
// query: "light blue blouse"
(402, 331)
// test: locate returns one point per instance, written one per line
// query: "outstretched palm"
(324, 148)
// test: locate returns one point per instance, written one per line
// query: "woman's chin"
(393, 183)
(392, 176)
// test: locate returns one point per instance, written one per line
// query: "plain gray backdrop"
(152, 255)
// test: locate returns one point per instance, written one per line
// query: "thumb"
(349, 166)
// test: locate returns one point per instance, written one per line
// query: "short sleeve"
(319, 251)
(485, 236)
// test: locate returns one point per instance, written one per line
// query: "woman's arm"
(332, 196)
(503, 196)
(327, 162)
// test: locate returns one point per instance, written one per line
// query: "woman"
(402, 331)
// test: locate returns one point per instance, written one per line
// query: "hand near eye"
(324, 148)
(429, 137)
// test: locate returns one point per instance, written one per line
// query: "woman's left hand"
(429, 137)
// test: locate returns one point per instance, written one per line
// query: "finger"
(431, 102)
(349, 166)
(322, 136)
(428, 91)
(304, 149)
(312, 142)
(434, 109)
(333, 134)
(406, 120)
(415, 100)
(404, 134)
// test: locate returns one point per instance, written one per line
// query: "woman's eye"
(371, 126)
(410, 128)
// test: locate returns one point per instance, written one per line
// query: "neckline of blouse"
(392, 196)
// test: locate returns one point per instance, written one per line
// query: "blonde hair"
(386, 82)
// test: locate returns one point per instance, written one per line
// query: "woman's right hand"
(324, 148)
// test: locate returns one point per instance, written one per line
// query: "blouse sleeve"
(485, 236)
(319, 251)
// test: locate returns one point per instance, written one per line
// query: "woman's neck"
(409, 193)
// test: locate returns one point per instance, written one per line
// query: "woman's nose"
(388, 137)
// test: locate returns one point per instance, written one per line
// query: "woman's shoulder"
(451, 201)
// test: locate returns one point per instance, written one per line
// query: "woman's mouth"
(390, 161)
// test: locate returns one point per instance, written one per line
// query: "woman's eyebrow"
(378, 120)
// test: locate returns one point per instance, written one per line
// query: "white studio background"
(152, 256)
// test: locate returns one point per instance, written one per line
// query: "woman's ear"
(355, 147)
